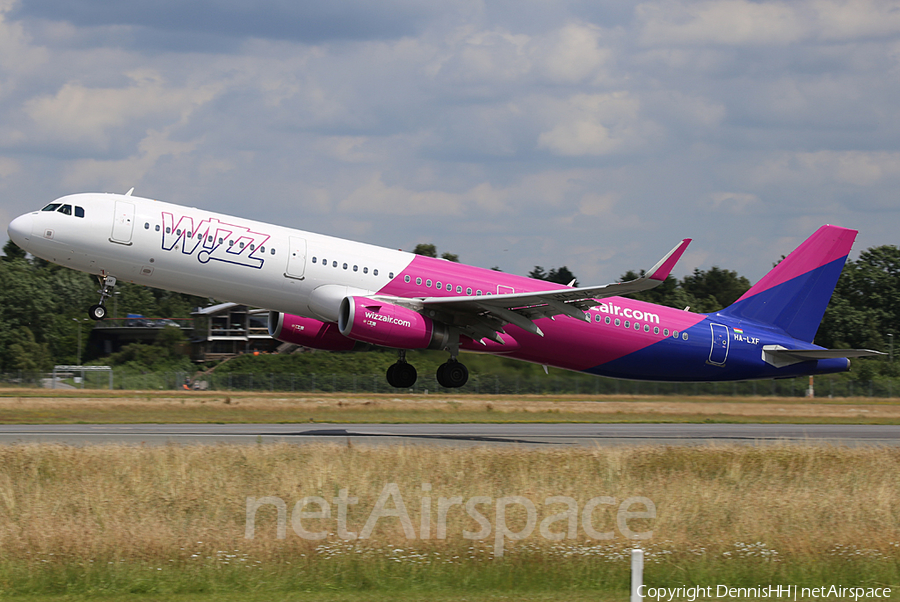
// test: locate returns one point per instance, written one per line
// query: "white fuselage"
(203, 253)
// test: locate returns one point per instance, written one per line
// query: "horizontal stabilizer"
(778, 356)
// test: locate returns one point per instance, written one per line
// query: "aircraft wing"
(485, 316)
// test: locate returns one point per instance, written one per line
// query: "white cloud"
(857, 168)
(742, 22)
(571, 54)
(730, 22)
(84, 115)
(124, 173)
(593, 124)
(734, 202)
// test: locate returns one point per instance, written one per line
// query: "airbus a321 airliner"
(329, 293)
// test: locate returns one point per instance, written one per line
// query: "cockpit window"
(51, 207)
(65, 209)
(79, 211)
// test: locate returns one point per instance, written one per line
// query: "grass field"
(171, 522)
(40, 406)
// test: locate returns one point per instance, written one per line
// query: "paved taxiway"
(537, 435)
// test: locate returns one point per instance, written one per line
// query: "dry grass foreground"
(119, 519)
(23, 406)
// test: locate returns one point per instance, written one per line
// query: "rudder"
(794, 294)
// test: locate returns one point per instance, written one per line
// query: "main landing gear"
(98, 312)
(451, 374)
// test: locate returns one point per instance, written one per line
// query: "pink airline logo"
(212, 239)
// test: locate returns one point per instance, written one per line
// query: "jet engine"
(307, 332)
(389, 325)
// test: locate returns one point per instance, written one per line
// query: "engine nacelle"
(382, 323)
(308, 332)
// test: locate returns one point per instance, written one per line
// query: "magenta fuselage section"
(623, 338)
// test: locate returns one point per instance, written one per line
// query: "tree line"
(44, 306)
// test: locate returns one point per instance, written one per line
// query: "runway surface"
(536, 435)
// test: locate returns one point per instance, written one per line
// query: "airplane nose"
(19, 230)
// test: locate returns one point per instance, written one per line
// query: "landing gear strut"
(98, 312)
(402, 375)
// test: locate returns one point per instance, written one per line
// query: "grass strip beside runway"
(39, 406)
(172, 521)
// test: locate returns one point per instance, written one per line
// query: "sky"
(589, 134)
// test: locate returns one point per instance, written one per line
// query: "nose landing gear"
(98, 311)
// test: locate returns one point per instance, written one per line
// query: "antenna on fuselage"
(130, 190)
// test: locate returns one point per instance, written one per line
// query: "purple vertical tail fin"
(794, 295)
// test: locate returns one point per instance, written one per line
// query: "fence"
(484, 384)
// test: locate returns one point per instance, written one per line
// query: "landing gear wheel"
(402, 375)
(97, 312)
(452, 374)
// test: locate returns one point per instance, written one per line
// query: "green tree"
(428, 250)
(29, 355)
(560, 275)
(714, 289)
(865, 306)
(11, 251)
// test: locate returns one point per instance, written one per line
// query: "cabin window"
(665, 332)
(272, 251)
(146, 225)
(656, 330)
(334, 264)
(646, 328)
(450, 287)
(468, 291)
(79, 211)
(356, 268)
(597, 318)
(365, 270)
(684, 335)
(418, 282)
(314, 259)
(262, 249)
(252, 247)
(637, 326)
(157, 227)
(241, 245)
(438, 284)
(478, 293)
(458, 289)
(221, 240)
(230, 243)
(178, 232)
(375, 272)
(674, 334)
(345, 266)
(607, 320)
(618, 321)
(406, 279)
(51, 207)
